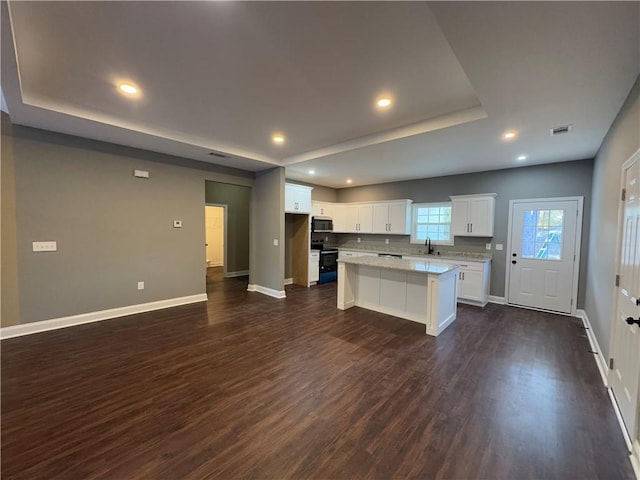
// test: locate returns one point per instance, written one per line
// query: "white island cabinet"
(415, 290)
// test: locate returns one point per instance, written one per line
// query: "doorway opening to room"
(215, 242)
(226, 255)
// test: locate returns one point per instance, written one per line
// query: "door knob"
(631, 321)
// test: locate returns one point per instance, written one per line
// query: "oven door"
(328, 261)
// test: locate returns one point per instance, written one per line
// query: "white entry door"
(626, 331)
(543, 251)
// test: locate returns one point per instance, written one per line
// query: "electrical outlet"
(326, 239)
(45, 246)
(140, 285)
(358, 239)
(177, 224)
(498, 246)
(275, 242)
(488, 246)
(386, 240)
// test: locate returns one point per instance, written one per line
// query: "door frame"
(224, 235)
(629, 436)
(577, 249)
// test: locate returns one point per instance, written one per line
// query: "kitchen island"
(416, 290)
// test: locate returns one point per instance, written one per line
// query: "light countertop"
(418, 266)
(450, 256)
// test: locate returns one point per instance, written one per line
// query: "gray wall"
(237, 198)
(539, 181)
(620, 143)
(267, 208)
(112, 229)
(10, 313)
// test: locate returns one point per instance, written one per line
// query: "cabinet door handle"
(471, 226)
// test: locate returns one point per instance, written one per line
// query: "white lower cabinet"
(473, 282)
(314, 266)
(473, 279)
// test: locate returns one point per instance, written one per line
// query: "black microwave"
(321, 224)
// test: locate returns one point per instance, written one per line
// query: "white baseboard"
(498, 300)
(239, 273)
(288, 281)
(618, 413)
(63, 322)
(215, 264)
(603, 368)
(266, 291)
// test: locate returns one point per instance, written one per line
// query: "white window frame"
(414, 214)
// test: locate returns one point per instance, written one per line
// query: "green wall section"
(237, 198)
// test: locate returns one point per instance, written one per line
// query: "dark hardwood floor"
(247, 386)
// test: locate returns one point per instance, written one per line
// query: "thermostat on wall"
(177, 224)
(141, 173)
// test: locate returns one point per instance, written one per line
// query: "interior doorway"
(215, 238)
(544, 253)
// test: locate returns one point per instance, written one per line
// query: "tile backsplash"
(402, 244)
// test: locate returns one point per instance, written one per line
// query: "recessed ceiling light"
(383, 102)
(349, 180)
(278, 138)
(128, 88)
(522, 158)
(312, 172)
(509, 135)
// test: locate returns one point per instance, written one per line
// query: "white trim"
(288, 281)
(239, 273)
(217, 264)
(635, 458)
(266, 291)
(577, 246)
(90, 317)
(496, 299)
(601, 362)
(616, 409)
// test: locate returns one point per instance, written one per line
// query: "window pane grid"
(542, 234)
(432, 221)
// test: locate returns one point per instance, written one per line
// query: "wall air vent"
(219, 155)
(560, 130)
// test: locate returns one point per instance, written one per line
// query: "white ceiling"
(225, 76)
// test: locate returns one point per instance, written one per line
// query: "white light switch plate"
(498, 246)
(275, 242)
(140, 285)
(45, 246)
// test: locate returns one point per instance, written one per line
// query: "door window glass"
(542, 234)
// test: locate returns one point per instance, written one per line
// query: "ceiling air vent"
(560, 130)
(219, 155)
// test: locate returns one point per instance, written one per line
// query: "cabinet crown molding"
(473, 195)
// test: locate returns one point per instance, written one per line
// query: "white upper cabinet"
(353, 218)
(297, 198)
(392, 217)
(473, 215)
(322, 209)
